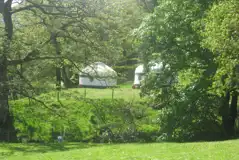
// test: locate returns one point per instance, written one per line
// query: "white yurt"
(138, 75)
(140, 72)
(99, 75)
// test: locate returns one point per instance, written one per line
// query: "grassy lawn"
(123, 92)
(156, 151)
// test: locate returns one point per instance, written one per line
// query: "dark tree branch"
(42, 8)
(29, 58)
(7, 18)
(1, 6)
(23, 9)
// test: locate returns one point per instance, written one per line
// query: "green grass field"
(123, 92)
(226, 150)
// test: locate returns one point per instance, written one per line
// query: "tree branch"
(23, 9)
(42, 7)
(29, 58)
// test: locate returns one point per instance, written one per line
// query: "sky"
(15, 2)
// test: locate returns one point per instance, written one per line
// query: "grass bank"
(153, 151)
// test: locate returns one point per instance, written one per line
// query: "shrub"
(186, 122)
(97, 120)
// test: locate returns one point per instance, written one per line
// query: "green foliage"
(99, 32)
(220, 35)
(82, 119)
(192, 119)
(197, 42)
(182, 91)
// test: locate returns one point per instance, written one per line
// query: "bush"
(97, 120)
(189, 123)
(147, 132)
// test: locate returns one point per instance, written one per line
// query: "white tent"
(139, 72)
(138, 75)
(98, 74)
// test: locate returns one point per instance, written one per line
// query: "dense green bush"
(187, 110)
(187, 122)
(79, 119)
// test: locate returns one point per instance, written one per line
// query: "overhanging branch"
(23, 9)
(41, 7)
(29, 58)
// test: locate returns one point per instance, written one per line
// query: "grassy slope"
(124, 92)
(156, 151)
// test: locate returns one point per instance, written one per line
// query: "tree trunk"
(7, 131)
(66, 79)
(224, 111)
(58, 53)
(229, 114)
(233, 106)
(233, 114)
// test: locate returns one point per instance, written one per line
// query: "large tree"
(220, 35)
(6, 120)
(104, 29)
(15, 32)
(169, 35)
(44, 38)
(199, 44)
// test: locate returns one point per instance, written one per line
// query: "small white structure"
(138, 75)
(59, 139)
(140, 72)
(99, 75)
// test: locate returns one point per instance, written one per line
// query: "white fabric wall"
(137, 78)
(85, 81)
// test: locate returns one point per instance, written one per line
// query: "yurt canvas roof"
(98, 69)
(139, 69)
(156, 67)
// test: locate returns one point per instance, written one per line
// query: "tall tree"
(169, 36)
(29, 9)
(7, 131)
(104, 29)
(220, 35)
(55, 32)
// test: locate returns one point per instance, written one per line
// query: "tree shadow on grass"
(29, 148)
